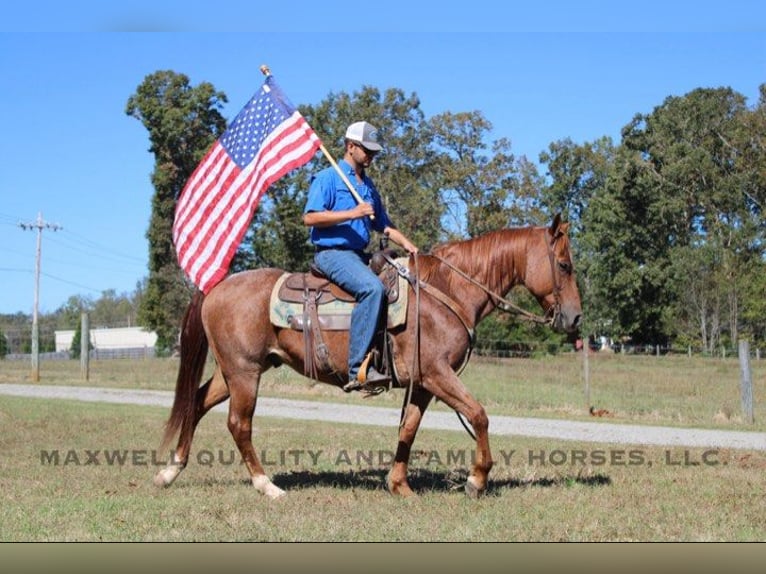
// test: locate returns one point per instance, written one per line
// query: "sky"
(578, 70)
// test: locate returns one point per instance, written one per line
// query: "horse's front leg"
(413, 413)
(447, 387)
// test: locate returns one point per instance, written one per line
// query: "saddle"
(311, 303)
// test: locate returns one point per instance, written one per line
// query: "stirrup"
(368, 380)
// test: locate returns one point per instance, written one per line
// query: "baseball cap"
(364, 133)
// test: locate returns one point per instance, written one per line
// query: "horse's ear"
(554, 229)
(558, 227)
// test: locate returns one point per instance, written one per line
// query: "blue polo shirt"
(328, 193)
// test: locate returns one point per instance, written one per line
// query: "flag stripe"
(203, 177)
(203, 195)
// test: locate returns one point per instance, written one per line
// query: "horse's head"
(550, 277)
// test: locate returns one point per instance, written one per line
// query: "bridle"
(551, 314)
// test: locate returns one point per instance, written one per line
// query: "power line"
(39, 225)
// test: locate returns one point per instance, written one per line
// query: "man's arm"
(400, 239)
(328, 218)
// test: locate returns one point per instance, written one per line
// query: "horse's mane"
(472, 255)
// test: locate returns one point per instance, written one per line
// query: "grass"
(669, 390)
(546, 490)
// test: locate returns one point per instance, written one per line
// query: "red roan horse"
(472, 277)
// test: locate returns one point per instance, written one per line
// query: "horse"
(460, 282)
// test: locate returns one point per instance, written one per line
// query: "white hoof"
(167, 475)
(264, 485)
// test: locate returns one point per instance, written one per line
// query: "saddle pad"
(280, 312)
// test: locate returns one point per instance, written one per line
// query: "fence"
(95, 354)
(524, 349)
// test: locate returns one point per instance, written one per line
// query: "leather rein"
(505, 305)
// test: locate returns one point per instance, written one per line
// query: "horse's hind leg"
(213, 392)
(413, 413)
(244, 394)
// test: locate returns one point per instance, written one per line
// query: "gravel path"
(602, 432)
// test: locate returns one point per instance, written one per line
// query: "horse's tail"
(193, 351)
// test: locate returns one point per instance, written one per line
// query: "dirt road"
(601, 432)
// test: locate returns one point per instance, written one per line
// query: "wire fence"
(95, 354)
(525, 349)
(483, 347)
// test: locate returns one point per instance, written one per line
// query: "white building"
(107, 339)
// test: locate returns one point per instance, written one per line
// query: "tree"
(3, 345)
(676, 185)
(183, 122)
(482, 190)
(576, 174)
(68, 315)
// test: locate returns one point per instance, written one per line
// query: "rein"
(501, 302)
(505, 305)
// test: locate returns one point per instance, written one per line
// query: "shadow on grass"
(423, 480)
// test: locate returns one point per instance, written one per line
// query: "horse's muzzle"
(566, 322)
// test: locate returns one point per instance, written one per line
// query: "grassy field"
(82, 472)
(75, 471)
(670, 390)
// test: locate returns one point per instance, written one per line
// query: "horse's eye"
(565, 267)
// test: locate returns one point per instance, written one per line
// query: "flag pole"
(267, 72)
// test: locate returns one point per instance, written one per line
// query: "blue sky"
(537, 74)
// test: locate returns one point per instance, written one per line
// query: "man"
(340, 231)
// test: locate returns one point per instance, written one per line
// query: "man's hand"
(363, 210)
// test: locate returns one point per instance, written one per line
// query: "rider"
(340, 232)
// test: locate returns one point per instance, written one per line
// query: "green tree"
(183, 121)
(3, 345)
(68, 315)
(575, 175)
(674, 187)
(111, 310)
(483, 185)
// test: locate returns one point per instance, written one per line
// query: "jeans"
(349, 270)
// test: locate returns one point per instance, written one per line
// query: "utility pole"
(39, 225)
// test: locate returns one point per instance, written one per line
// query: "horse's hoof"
(403, 490)
(264, 485)
(398, 488)
(167, 475)
(472, 490)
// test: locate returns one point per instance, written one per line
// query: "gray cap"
(364, 133)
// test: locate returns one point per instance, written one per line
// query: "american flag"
(266, 140)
